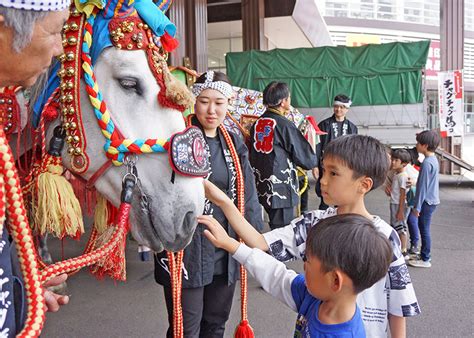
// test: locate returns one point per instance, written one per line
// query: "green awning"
(383, 74)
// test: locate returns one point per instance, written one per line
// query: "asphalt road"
(136, 308)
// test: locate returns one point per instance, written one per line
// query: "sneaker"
(414, 250)
(406, 255)
(419, 263)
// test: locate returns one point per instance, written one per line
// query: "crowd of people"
(355, 264)
(356, 281)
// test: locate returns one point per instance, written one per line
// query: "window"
(469, 111)
(432, 107)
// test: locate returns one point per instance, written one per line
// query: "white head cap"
(37, 5)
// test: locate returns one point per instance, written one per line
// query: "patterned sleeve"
(289, 243)
(401, 296)
(298, 148)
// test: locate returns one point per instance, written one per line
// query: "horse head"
(128, 95)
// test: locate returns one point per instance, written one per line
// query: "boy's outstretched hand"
(217, 235)
(54, 300)
(215, 195)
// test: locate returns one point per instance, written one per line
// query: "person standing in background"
(335, 126)
(277, 148)
(427, 194)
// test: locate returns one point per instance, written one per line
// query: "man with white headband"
(335, 126)
(30, 37)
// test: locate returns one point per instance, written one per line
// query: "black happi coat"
(329, 125)
(13, 306)
(201, 258)
(276, 148)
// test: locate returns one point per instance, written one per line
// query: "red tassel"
(244, 330)
(168, 42)
(87, 196)
(51, 112)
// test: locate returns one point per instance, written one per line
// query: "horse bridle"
(187, 150)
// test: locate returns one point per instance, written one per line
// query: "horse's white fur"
(173, 207)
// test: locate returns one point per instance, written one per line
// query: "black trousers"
(280, 217)
(205, 309)
(322, 205)
(304, 196)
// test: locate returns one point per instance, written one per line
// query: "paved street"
(137, 309)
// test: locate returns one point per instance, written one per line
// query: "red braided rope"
(21, 233)
(241, 207)
(176, 277)
(94, 256)
(12, 204)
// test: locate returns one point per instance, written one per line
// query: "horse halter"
(187, 150)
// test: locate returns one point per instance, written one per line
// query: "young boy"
(427, 194)
(353, 165)
(398, 193)
(345, 255)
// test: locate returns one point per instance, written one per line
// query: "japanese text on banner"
(451, 109)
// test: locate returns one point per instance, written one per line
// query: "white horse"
(128, 86)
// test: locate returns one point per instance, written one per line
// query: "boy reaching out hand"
(345, 255)
(353, 165)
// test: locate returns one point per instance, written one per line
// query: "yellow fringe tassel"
(56, 208)
(101, 215)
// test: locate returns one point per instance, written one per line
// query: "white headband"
(220, 86)
(344, 104)
(37, 5)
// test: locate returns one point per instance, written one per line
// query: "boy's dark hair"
(401, 154)
(274, 93)
(351, 243)
(364, 155)
(414, 156)
(342, 98)
(430, 138)
(218, 76)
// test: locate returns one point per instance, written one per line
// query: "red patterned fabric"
(263, 136)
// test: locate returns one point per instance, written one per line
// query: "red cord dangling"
(243, 330)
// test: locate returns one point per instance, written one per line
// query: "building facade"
(353, 23)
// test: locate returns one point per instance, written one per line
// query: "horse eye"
(130, 84)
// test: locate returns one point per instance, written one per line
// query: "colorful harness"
(187, 149)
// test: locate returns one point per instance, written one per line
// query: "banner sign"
(451, 100)
(433, 63)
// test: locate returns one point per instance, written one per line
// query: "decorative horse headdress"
(128, 25)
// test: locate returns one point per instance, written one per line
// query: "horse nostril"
(189, 222)
(189, 219)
